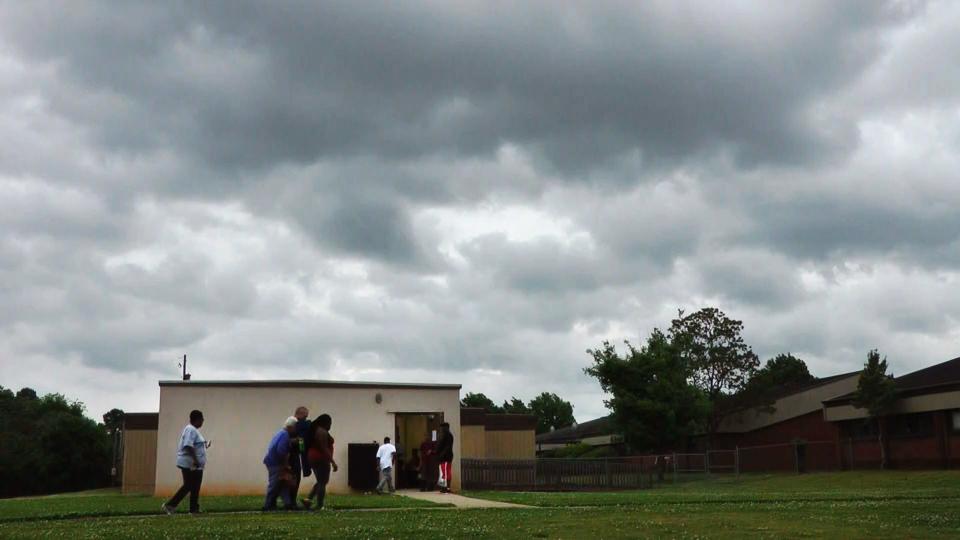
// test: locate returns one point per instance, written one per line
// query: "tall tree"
(783, 371)
(480, 400)
(652, 403)
(719, 360)
(552, 412)
(876, 392)
(516, 406)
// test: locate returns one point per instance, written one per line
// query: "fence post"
(674, 467)
(736, 461)
(606, 466)
(706, 462)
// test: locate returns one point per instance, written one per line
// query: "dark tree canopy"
(480, 400)
(552, 412)
(652, 402)
(47, 445)
(780, 373)
(516, 406)
(113, 419)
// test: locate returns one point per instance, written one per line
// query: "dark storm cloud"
(300, 82)
(822, 227)
(332, 186)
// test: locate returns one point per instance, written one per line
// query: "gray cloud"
(468, 192)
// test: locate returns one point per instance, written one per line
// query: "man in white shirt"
(386, 458)
(191, 459)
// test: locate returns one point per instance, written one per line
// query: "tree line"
(48, 445)
(551, 410)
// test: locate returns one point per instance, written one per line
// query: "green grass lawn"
(843, 505)
(804, 519)
(845, 486)
(112, 504)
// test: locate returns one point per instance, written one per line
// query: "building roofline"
(847, 399)
(310, 383)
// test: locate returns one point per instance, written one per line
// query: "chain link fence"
(646, 471)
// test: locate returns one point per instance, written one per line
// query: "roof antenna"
(186, 376)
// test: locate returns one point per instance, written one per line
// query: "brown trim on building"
(472, 416)
(143, 421)
(475, 416)
(312, 384)
(511, 422)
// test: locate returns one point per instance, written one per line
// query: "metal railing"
(557, 474)
(642, 472)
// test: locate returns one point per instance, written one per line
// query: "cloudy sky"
(469, 192)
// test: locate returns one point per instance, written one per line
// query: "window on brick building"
(863, 429)
(955, 420)
(911, 425)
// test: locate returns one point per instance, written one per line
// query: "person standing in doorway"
(428, 462)
(191, 459)
(299, 464)
(445, 457)
(386, 459)
(320, 455)
(278, 467)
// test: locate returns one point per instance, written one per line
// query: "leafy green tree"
(652, 402)
(480, 400)
(719, 361)
(552, 412)
(516, 406)
(876, 392)
(48, 445)
(783, 371)
(113, 420)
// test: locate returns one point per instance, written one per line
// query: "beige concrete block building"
(242, 416)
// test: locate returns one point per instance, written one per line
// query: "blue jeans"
(275, 489)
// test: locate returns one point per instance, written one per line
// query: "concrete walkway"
(458, 501)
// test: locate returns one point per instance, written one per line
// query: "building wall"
(513, 444)
(139, 460)
(473, 442)
(938, 449)
(240, 420)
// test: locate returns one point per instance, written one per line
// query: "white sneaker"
(168, 509)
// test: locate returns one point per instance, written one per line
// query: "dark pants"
(428, 473)
(322, 474)
(276, 488)
(294, 487)
(191, 484)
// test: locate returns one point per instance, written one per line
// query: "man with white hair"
(278, 467)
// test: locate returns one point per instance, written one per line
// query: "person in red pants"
(444, 454)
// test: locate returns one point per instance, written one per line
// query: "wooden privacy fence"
(558, 474)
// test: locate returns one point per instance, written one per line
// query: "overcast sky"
(471, 192)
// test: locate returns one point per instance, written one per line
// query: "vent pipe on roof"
(186, 376)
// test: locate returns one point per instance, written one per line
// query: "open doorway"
(411, 431)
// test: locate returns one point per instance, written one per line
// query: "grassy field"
(109, 504)
(845, 505)
(845, 486)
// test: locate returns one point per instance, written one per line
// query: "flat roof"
(312, 383)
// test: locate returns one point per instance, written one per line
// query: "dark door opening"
(411, 430)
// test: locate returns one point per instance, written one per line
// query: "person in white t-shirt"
(386, 459)
(191, 459)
